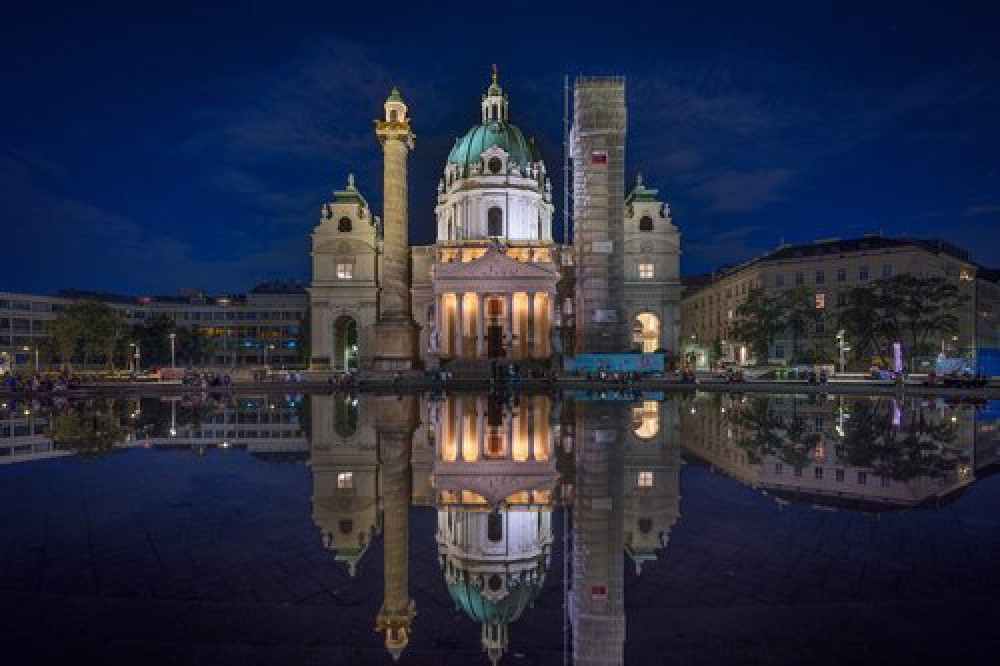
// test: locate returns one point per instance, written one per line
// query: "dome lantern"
(494, 102)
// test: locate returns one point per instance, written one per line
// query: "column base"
(395, 346)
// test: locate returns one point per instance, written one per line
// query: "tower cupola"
(494, 102)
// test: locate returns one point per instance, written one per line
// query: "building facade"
(265, 325)
(828, 269)
(494, 276)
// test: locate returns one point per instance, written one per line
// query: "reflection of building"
(344, 464)
(23, 434)
(880, 452)
(494, 265)
(494, 473)
(597, 598)
(651, 480)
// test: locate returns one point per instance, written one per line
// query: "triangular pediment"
(496, 264)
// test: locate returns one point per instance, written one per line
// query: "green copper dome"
(507, 609)
(481, 138)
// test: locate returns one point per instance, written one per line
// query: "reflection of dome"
(482, 608)
(468, 149)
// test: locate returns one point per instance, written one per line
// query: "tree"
(758, 320)
(90, 328)
(153, 337)
(194, 346)
(88, 428)
(864, 325)
(798, 313)
(921, 308)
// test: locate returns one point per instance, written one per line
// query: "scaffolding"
(597, 149)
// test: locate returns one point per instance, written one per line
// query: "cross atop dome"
(494, 102)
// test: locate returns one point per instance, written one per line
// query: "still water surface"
(532, 529)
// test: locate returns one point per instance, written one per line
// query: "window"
(779, 351)
(800, 278)
(863, 273)
(840, 475)
(345, 480)
(820, 277)
(344, 224)
(779, 280)
(778, 469)
(818, 473)
(645, 479)
(645, 271)
(820, 301)
(494, 221)
(345, 271)
(887, 270)
(645, 223)
(495, 165)
(842, 298)
(798, 471)
(841, 275)
(862, 478)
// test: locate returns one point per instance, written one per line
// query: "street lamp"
(173, 363)
(35, 348)
(135, 356)
(842, 347)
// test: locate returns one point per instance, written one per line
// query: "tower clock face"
(494, 165)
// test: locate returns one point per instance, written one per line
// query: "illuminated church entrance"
(345, 344)
(646, 332)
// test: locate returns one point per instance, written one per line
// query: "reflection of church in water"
(495, 473)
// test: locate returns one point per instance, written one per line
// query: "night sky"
(151, 146)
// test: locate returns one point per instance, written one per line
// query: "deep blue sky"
(149, 146)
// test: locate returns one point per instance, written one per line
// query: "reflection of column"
(597, 609)
(550, 319)
(395, 425)
(510, 325)
(438, 344)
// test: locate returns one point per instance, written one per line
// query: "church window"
(495, 165)
(645, 479)
(345, 480)
(494, 221)
(645, 525)
(645, 271)
(645, 223)
(494, 527)
(392, 116)
(345, 271)
(344, 224)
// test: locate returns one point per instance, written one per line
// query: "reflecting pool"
(578, 528)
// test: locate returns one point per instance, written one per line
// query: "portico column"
(459, 305)
(442, 334)
(510, 325)
(480, 325)
(480, 430)
(531, 427)
(531, 325)
(550, 323)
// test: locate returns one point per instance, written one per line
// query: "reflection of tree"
(919, 447)
(89, 428)
(766, 434)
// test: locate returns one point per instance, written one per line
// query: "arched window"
(645, 223)
(495, 165)
(344, 224)
(494, 221)
(392, 116)
(494, 527)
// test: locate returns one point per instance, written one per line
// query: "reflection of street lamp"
(173, 418)
(136, 356)
(267, 348)
(35, 348)
(173, 363)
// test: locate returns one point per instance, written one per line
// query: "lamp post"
(841, 347)
(267, 348)
(35, 349)
(173, 363)
(136, 355)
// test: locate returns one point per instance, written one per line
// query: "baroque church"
(495, 282)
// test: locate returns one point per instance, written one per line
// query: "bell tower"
(396, 333)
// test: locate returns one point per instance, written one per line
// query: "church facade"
(495, 283)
